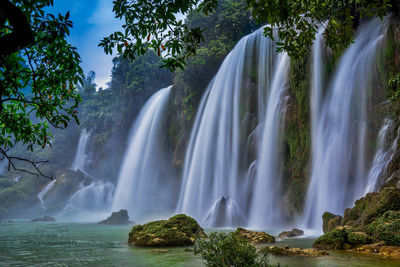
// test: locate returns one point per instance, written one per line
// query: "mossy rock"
(330, 221)
(366, 209)
(335, 239)
(179, 230)
(386, 228)
(255, 237)
(292, 233)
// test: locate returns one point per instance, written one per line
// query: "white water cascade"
(339, 129)
(91, 202)
(381, 157)
(42, 193)
(144, 187)
(215, 188)
(80, 156)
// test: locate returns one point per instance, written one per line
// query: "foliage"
(297, 21)
(155, 24)
(38, 83)
(229, 249)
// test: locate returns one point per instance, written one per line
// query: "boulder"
(179, 230)
(255, 237)
(44, 219)
(117, 218)
(292, 233)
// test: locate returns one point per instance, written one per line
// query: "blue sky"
(93, 20)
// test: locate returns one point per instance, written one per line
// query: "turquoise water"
(77, 244)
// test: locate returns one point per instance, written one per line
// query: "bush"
(227, 249)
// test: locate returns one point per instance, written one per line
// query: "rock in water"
(292, 233)
(286, 251)
(44, 219)
(117, 218)
(179, 230)
(255, 237)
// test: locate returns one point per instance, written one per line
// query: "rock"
(330, 221)
(117, 218)
(386, 228)
(179, 230)
(379, 249)
(286, 251)
(334, 239)
(292, 233)
(44, 219)
(255, 237)
(10, 220)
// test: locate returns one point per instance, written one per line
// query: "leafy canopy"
(38, 82)
(158, 25)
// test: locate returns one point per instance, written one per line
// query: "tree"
(159, 25)
(38, 77)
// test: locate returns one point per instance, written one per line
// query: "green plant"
(228, 249)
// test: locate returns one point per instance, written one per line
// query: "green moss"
(335, 239)
(179, 230)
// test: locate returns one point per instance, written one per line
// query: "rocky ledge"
(255, 237)
(117, 218)
(286, 251)
(371, 226)
(179, 230)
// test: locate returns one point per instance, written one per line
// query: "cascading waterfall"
(265, 205)
(42, 193)
(216, 160)
(80, 156)
(380, 159)
(339, 130)
(92, 201)
(143, 186)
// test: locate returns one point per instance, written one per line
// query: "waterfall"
(218, 158)
(339, 129)
(380, 159)
(265, 205)
(143, 186)
(80, 156)
(92, 201)
(44, 191)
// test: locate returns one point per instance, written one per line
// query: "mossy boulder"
(330, 221)
(386, 228)
(179, 230)
(292, 233)
(255, 237)
(117, 218)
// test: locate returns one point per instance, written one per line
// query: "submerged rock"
(117, 218)
(292, 233)
(255, 237)
(179, 230)
(44, 219)
(286, 251)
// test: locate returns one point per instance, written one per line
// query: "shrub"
(227, 249)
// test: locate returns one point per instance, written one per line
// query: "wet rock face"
(292, 233)
(117, 218)
(44, 219)
(255, 237)
(179, 230)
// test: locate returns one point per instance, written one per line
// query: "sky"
(92, 20)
